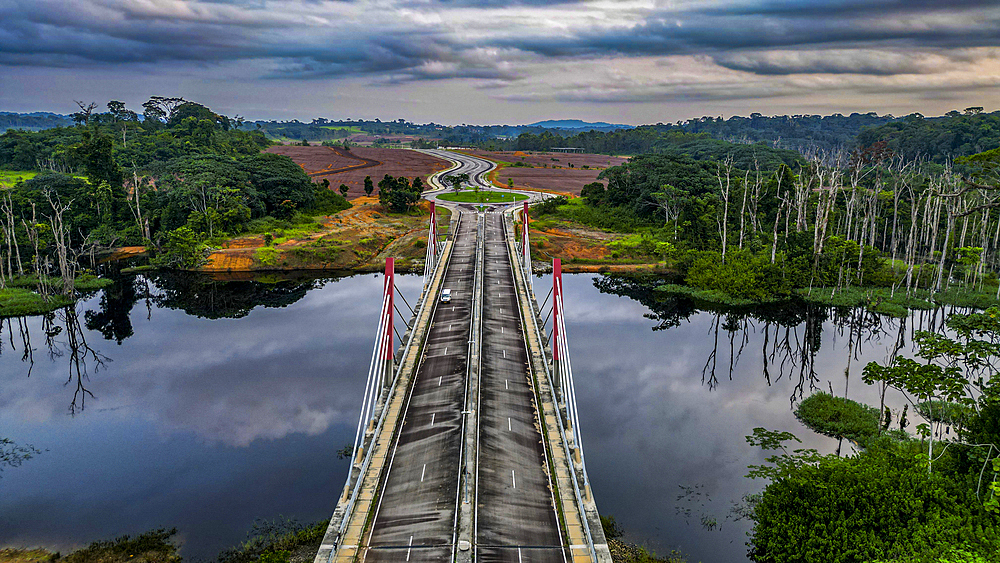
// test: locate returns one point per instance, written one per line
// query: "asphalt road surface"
(515, 517)
(415, 518)
(476, 168)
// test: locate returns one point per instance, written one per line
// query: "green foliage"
(151, 547)
(183, 248)
(267, 256)
(397, 195)
(745, 275)
(940, 139)
(838, 417)
(880, 504)
(272, 541)
(952, 414)
(328, 202)
(549, 206)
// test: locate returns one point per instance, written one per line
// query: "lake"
(176, 401)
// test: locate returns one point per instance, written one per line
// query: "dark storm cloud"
(438, 39)
(808, 25)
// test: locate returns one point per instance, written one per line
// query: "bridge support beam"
(389, 289)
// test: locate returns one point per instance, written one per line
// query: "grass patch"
(151, 547)
(712, 296)
(26, 556)
(266, 255)
(878, 300)
(483, 196)
(11, 177)
(838, 417)
(348, 128)
(83, 282)
(964, 297)
(19, 302)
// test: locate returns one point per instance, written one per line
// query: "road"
(515, 514)
(415, 517)
(476, 168)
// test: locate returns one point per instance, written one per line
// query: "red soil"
(557, 177)
(350, 168)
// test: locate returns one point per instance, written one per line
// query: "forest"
(752, 225)
(176, 179)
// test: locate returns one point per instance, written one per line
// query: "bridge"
(468, 446)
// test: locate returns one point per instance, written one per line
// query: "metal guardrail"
(382, 401)
(562, 430)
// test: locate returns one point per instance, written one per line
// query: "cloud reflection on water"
(205, 424)
(652, 422)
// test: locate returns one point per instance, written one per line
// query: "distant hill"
(36, 121)
(577, 124)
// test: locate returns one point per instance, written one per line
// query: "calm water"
(205, 406)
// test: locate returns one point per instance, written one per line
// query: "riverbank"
(21, 296)
(280, 541)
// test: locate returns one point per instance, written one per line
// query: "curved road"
(478, 170)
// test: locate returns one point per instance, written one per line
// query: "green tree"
(369, 186)
(343, 190)
(880, 504)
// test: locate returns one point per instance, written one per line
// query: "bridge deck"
(516, 518)
(460, 467)
(415, 516)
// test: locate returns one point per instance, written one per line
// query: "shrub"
(838, 417)
(880, 504)
(268, 256)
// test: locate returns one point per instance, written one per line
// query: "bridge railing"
(383, 372)
(558, 371)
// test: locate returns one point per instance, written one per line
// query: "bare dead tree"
(61, 238)
(724, 173)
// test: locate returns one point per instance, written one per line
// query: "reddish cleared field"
(553, 159)
(556, 176)
(351, 167)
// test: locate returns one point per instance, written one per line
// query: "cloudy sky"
(504, 61)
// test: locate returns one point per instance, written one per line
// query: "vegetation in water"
(838, 417)
(623, 551)
(931, 498)
(269, 541)
(154, 546)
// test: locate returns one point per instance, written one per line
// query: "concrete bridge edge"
(335, 548)
(564, 473)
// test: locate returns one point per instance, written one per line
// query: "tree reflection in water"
(792, 332)
(65, 330)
